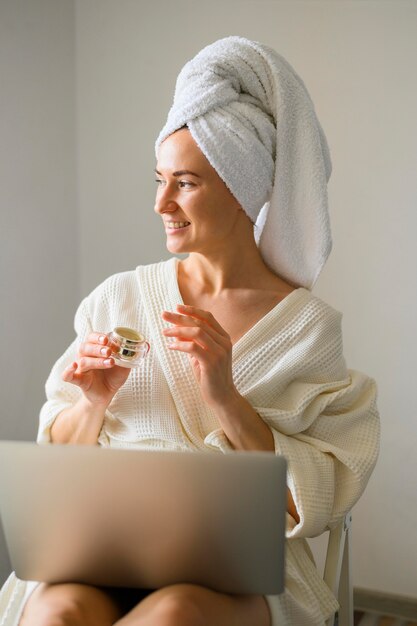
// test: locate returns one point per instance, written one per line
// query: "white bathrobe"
(289, 366)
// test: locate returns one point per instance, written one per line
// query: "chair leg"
(345, 614)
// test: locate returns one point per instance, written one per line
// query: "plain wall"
(357, 59)
(39, 277)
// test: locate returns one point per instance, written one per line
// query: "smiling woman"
(243, 355)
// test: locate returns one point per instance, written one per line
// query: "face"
(198, 211)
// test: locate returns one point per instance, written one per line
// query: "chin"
(176, 249)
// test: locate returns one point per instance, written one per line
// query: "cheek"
(227, 201)
(225, 209)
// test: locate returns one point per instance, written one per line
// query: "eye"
(159, 181)
(185, 183)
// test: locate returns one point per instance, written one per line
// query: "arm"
(324, 420)
(98, 379)
(246, 430)
(80, 424)
(242, 425)
(81, 384)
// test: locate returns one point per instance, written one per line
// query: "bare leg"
(70, 604)
(193, 605)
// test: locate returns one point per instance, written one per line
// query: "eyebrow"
(180, 173)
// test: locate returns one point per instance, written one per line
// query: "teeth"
(176, 224)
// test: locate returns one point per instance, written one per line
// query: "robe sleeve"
(325, 422)
(329, 464)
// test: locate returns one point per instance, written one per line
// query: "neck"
(217, 272)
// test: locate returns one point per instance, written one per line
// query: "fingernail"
(107, 362)
(102, 338)
(104, 351)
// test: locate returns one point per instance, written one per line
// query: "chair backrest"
(337, 572)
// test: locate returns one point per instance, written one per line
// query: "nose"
(164, 202)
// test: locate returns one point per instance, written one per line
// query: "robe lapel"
(159, 291)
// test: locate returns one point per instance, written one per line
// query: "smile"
(176, 225)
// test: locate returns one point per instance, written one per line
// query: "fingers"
(100, 338)
(205, 316)
(90, 349)
(192, 349)
(197, 333)
(94, 353)
(204, 336)
(68, 373)
(196, 314)
(195, 327)
(73, 373)
(193, 334)
(90, 363)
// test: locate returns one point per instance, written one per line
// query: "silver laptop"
(144, 519)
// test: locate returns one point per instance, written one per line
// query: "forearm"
(246, 430)
(79, 424)
(242, 425)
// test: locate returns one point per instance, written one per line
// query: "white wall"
(357, 58)
(39, 278)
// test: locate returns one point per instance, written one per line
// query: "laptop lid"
(135, 518)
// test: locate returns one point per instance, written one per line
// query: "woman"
(243, 356)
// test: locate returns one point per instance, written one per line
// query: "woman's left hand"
(209, 347)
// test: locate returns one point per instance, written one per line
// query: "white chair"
(337, 573)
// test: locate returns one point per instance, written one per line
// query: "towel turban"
(253, 119)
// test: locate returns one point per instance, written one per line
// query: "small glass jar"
(128, 346)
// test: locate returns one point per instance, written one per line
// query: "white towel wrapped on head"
(253, 119)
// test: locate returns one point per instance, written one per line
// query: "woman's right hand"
(95, 371)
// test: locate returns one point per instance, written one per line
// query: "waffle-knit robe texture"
(291, 369)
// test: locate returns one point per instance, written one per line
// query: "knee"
(54, 609)
(51, 612)
(179, 605)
